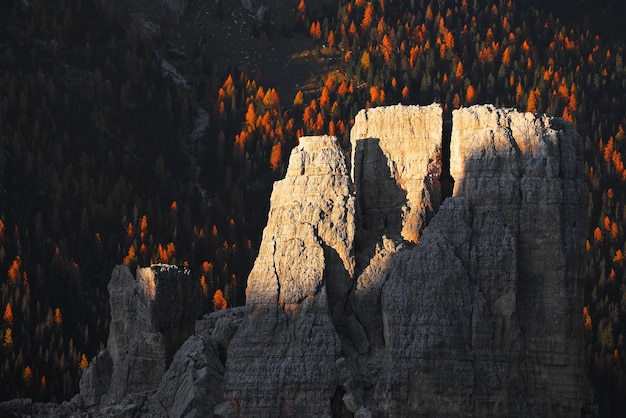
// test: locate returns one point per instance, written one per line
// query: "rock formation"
(282, 359)
(168, 10)
(481, 317)
(371, 297)
(151, 316)
(483, 313)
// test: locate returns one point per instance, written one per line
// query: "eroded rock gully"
(369, 296)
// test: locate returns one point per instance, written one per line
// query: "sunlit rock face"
(281, 362)
(396, 165)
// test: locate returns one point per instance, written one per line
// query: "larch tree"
(219, 302)
(331, 39)
(470, 94)
(365, 60)
(58, 317)
(84, 363)
(368, 16)
(298, 99)
(8, 337)
(276, 156)
(8, 314)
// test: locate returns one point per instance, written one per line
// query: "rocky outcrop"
(192, 385)
(151, 316)
(282, 359)
(160, 10)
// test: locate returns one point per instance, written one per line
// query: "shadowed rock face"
(396, 165)
(169, 10)
(152, 314)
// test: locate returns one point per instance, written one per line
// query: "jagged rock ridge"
(347, 316)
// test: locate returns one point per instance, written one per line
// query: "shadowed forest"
(119, 144)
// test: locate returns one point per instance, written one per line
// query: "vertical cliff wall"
(152, 314)
(483, 315)
(281, 362)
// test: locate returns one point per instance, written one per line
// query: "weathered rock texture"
(396, 165)
(482, 316)
(151, 316)
(191, 387)
(281, 362)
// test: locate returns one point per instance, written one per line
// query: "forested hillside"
(100, 164)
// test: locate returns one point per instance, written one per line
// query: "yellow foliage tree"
(365, 60)
(299, 99)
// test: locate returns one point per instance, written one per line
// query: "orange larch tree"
(14, 270)
(219, 302)
(331, 39)
(470, 94)
(367, 17)
(324, 98)
(533, 101)
(8, 314)
(459, 70)
(276, 156)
